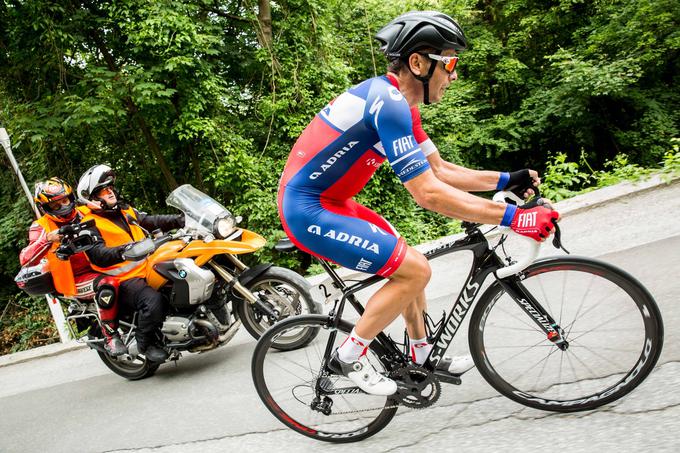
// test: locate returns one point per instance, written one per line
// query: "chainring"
(417, 388)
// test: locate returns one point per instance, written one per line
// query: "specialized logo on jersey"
(345, 237)
(376, 229)
(333, 159)
(378, 103)
(526, 220)
(373, 162)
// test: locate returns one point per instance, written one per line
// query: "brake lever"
(557, 238)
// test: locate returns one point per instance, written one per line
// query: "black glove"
(137, 251)
(520, 181)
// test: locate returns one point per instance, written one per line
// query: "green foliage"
(25, 323)
(671, 159)
(620, 169)
(562, 179)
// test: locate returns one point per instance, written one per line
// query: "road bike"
(560, 334)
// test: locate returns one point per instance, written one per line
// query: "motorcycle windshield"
(201, 212)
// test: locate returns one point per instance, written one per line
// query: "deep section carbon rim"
(288, 383)
(611, 323)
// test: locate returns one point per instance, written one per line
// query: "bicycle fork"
(528, 303)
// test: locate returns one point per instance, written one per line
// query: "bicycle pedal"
(448, 378)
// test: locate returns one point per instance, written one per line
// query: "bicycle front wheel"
(294, 387)
(611, 324)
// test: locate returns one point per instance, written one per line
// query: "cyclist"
(339, 151)
(73, 277)
(117, 225)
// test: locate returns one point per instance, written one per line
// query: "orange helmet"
(48, 197)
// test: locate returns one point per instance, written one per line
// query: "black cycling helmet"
(418, 30)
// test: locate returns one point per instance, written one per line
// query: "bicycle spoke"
(564, 287)
(294, 391)
(596, 354)
(607, 321)
(607, 324)
(533, 327)
(583, 301)
(595, 305)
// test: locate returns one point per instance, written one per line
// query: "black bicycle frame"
(485, 261)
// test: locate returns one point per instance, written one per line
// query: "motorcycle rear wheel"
(288, 293)
(133, 370)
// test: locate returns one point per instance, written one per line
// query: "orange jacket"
(114, 236)
(62, 271)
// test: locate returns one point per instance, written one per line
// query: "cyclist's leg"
(413, 310)
(404, 287)
(413, 317)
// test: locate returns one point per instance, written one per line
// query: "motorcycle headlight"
(223, 227)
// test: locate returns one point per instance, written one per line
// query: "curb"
(567, 207)
(40, 352)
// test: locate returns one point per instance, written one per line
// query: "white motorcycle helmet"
(93, 180)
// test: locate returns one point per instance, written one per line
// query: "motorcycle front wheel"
(288, 294)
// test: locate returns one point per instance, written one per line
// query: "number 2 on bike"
(564, 334)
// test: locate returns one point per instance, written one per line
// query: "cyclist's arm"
(462, 178)
(435, 195)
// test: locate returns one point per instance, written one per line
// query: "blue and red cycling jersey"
(334, 159)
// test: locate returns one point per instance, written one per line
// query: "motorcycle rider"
(117, 226)
(72, 277)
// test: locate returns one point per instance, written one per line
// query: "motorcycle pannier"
(34, 281)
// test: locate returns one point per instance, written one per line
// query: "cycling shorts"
(341, 231)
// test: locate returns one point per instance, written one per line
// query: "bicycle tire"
(631, 334)
(289, 408)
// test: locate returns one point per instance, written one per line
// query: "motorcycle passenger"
(117, 225)
(72, 277)
(339, 151)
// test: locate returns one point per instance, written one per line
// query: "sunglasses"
(449, 62)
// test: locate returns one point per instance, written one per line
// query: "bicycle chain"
(400, 373)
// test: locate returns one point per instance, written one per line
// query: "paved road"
(72, 403)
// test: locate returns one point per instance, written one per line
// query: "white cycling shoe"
(456, 365)
(363, 375)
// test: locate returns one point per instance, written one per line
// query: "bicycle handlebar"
(533, 246)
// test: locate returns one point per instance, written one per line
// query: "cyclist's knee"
(415, 268)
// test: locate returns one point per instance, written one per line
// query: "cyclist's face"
(441, 78)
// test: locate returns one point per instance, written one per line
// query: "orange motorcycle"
(209, 291)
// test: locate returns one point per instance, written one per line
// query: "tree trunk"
(264, 19)
(133, 111)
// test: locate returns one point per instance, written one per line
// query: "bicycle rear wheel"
(610, 321)
(294, 388)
